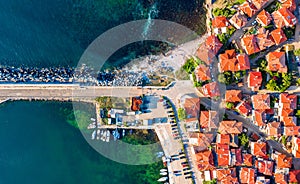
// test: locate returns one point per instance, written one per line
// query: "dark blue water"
(56, 32)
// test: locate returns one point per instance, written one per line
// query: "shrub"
(190, 65)
(181, 114)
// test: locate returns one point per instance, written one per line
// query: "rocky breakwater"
(83, 75)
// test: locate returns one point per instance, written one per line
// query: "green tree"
(181, 114)
(298, 113)
(244, 140)
(190, 65)
(297, 52)
(229, 105)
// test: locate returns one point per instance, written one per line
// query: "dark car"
(184, 162)
(188, 177)
(182, 157)
(186, 169)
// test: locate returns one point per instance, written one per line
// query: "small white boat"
(103, 138)
(93, 119)
(93, 134)
(98, 134)
(163, 173)
(163, 170)
(91, 126)
(123, 133)
(107, 136)
(162, 179)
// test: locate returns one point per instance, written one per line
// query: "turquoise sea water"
(38, 146)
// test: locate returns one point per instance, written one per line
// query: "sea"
(37, 144)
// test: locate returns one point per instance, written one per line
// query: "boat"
(116, 134)
(163, 170)
(163, 173)
(123, 133)
(107, 135)
(104, 136)
(93, 119)
(93, 134)
(98, 134)
(162, 179)
(91, 126)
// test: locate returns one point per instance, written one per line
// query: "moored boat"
(93, 134)
(162, 179)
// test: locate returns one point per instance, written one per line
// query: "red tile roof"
(211, 89)
(230, 127)
(283, 161)
(264, 18)
(280, 178)
(259, 3)
(229, 61)
(208, 119)
(238, 20)
(238, 156)
(288, 101)
(284, 18)
(248, 159)
(202, 73)
(201, 140)
(292, 131)
(261, 101)
(294, 176)
(250, 45)
(289, 121)
(278, 36)
(233, 96)
(247, 175)
(260, 117)
(192, 107)
(248, 8)
(254, 80)
(223, 154)
(290, 4)
(264, 40)
(223, 175)
(273, 129)
(244, 108)
(136, 102)
(204, 160)
(265, 167)
(219, 22)
(259, 149)
(276, 62)
(223, 138)
(213, 44)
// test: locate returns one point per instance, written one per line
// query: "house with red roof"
(264, 40)
(249, 44)
(205, 160)
(262, 180)
(289, 121)
(248, 159)
(294, 176)
(258, 149)
(236, 157)
(238, 20)
(287, 101)
(227, 176)
(248, 8)
(209, 119)
(264, 18)
(260, 117)
(233, 96)
(230, 127)
(247, 175)
(200, 141)
(276, 62)
(259, 3)
(264, 166)
(244, 108)
(229, 61)
(273, 129)
(291, 131)
(208, 51)
(296, 147)
(261, 101)
(281, 178)
(278, 36)
(283, 161)
(289, 4)
(202, 73)
(284, 18)
(254, 80)
(192, 107)
(223, 139)
(219, 24)
(223, 154)
(210, 90)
